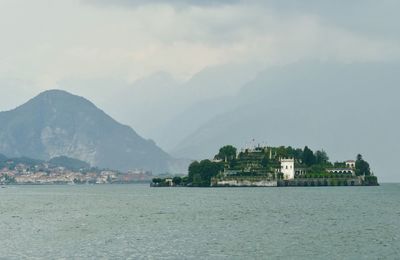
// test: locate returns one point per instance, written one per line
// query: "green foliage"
(339, 165)
(362, 167)
(177, 181)
(308, 157)
(162, 182)
(265, 162)
(317, 168)
(371, 180)
(69, 163)
(282, 152)
(197, 181)
(321, 157)
(200, 174)
(233, 163)
(157, 180)
(227, 153)
(194, 169)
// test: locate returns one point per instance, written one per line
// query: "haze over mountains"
(340, 108)
(152, 102)
(326, 105)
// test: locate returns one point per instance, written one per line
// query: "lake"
(138, 222)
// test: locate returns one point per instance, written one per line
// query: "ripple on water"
(133, 221)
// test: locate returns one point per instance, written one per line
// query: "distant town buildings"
(45, 174)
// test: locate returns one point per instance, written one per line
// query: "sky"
(45, 42)
(136, 58)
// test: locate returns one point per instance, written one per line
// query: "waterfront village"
(63, 170)
(261, 166)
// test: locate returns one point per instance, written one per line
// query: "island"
(263, 166)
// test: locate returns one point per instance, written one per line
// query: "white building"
(287, 168)
(351, 164)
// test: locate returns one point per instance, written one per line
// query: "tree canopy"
(321, 157)
(227, 153)
(308, 157)
(200, 173)
(362, 166)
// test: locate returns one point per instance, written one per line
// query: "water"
(138, 222)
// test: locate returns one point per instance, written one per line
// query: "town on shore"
(63, 170)
(262, 166)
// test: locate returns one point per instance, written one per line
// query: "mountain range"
(343, 108)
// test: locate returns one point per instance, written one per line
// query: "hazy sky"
(45, 42)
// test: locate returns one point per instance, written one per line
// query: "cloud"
(47, 42)
(364, 16)
(176, 3)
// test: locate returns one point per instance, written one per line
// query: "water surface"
(138, 222)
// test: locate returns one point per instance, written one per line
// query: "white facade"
(351, 164)
(287, 168)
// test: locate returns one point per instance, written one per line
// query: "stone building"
(287, 168)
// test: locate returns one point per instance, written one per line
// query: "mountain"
(3, 157)
(153, 104)
(197, 100)
(69, 163)
(338, 107)
(57, 123)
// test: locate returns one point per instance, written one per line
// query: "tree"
(197, 181)
(177, 180)
(227, 153)
(362, 167)
(200, 173)
(298, 153)
(321, 157)
(282, 152)
(208, 170)
(194, 168)
(157, 180)
(308, 157)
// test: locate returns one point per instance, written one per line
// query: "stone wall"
(244, 183)
(356, 181)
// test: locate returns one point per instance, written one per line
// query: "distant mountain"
(56, 123)
(345, 108)
(3, 157)
(171, 133)
(69, 163)
(153, 104)
(61, 161)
